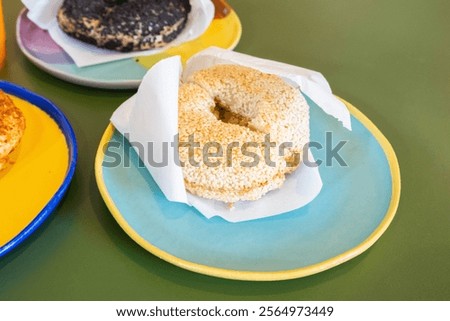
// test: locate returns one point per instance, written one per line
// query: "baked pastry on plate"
(12, 127)
(124, 25)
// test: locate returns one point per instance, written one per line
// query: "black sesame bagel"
(124, 25)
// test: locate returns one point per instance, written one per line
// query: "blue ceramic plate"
(36, 44)
(357, 203)
(43, 167)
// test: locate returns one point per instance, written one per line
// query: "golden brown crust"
(260, 105)
(12, 127)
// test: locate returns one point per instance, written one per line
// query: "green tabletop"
(388, 58)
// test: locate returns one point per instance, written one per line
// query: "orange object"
(2, 37)
(222, 9)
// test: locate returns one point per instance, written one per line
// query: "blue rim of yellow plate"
(263, 275)
(63, 123)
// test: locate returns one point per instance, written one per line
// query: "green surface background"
(388, 58)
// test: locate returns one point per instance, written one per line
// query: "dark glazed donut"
(124, 25)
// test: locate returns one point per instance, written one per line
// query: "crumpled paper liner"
(43, 13)
(151, 115)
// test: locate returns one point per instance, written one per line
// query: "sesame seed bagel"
(248, 128)
(124, 25)
(12, 127)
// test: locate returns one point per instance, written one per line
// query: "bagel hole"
(224, 114)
